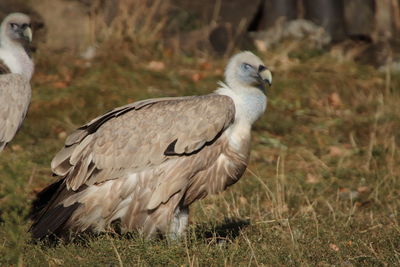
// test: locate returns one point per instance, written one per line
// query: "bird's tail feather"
(48, 213)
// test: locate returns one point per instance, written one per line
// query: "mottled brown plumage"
(15, 96)
(4, 69)
(146, 162)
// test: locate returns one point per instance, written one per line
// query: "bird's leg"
(183, 220)
(179, 223)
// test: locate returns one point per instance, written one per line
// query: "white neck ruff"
(16, 59)
(250, 102)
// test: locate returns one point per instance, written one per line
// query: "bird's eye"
(14, 26)
(246, 66)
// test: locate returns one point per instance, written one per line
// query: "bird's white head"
(246, 70)
(246, 80)
(15, 39)
(16, 29)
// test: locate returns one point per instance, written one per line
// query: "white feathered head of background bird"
(16, 28)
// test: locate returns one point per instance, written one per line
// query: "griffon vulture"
(145, 163)
(16, 69)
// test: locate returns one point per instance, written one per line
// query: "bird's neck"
(250, 102)
(16, 58)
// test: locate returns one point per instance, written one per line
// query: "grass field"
(322, 187)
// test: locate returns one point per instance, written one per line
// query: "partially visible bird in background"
(16, 69)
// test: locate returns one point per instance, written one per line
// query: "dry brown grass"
(137, 25)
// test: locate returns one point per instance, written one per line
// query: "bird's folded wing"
(4, 69)
(15, 95)
(141, 135)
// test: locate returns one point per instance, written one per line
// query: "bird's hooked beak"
(265, 75)
(27, 33)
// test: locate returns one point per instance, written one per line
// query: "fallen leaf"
(334, 100)
(336, 151)
(196, 77)
(362, 189)
(243, 200)
(334, 247)
(206, 65)
(60, 85)
(156, 66)
(312, 179)
(16, 148)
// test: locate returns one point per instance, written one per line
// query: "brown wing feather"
(15, 95)
(141, 135)
(4, 69)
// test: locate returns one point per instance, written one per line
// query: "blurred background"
(363, 30)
